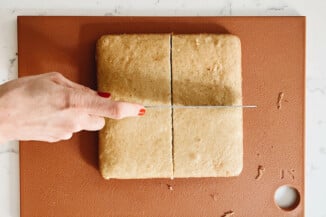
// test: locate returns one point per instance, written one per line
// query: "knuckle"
(67, 136)
(86, 89)
(67, 99)
(59, 98)
(70, 99)
(117, 111)
(99, 123)
(55, 75)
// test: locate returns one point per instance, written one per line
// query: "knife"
(198, 106)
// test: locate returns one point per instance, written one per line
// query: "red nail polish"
(104, 94)
(141, 112)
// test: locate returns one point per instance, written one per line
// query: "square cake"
(183, 142)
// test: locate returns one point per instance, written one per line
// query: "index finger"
(103, 107)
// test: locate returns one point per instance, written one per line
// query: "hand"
(49, 107)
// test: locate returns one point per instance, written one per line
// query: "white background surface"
(315, 10)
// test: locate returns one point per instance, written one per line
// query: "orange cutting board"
(62, 179)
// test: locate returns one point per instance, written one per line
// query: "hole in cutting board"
(286, 197)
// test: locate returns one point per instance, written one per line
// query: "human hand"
(49, 107)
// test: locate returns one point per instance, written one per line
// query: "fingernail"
(141, 112)
(104, 94)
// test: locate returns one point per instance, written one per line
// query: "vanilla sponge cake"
(136, 148)
(207, 142)
(136, 68)
(206, 70)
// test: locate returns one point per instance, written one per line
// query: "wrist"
(3, 120)
(3, 138)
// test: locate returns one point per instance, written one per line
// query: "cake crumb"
(279, 100)
(170, 187)
(289, 172)
(261, 170)
(228, 214)
(197, 42)
(214, 196)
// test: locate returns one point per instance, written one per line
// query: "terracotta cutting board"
(62, 179)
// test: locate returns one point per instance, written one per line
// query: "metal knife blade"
(199, 106)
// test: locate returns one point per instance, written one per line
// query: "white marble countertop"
(316, 70)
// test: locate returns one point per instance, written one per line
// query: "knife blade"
(198, 106)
